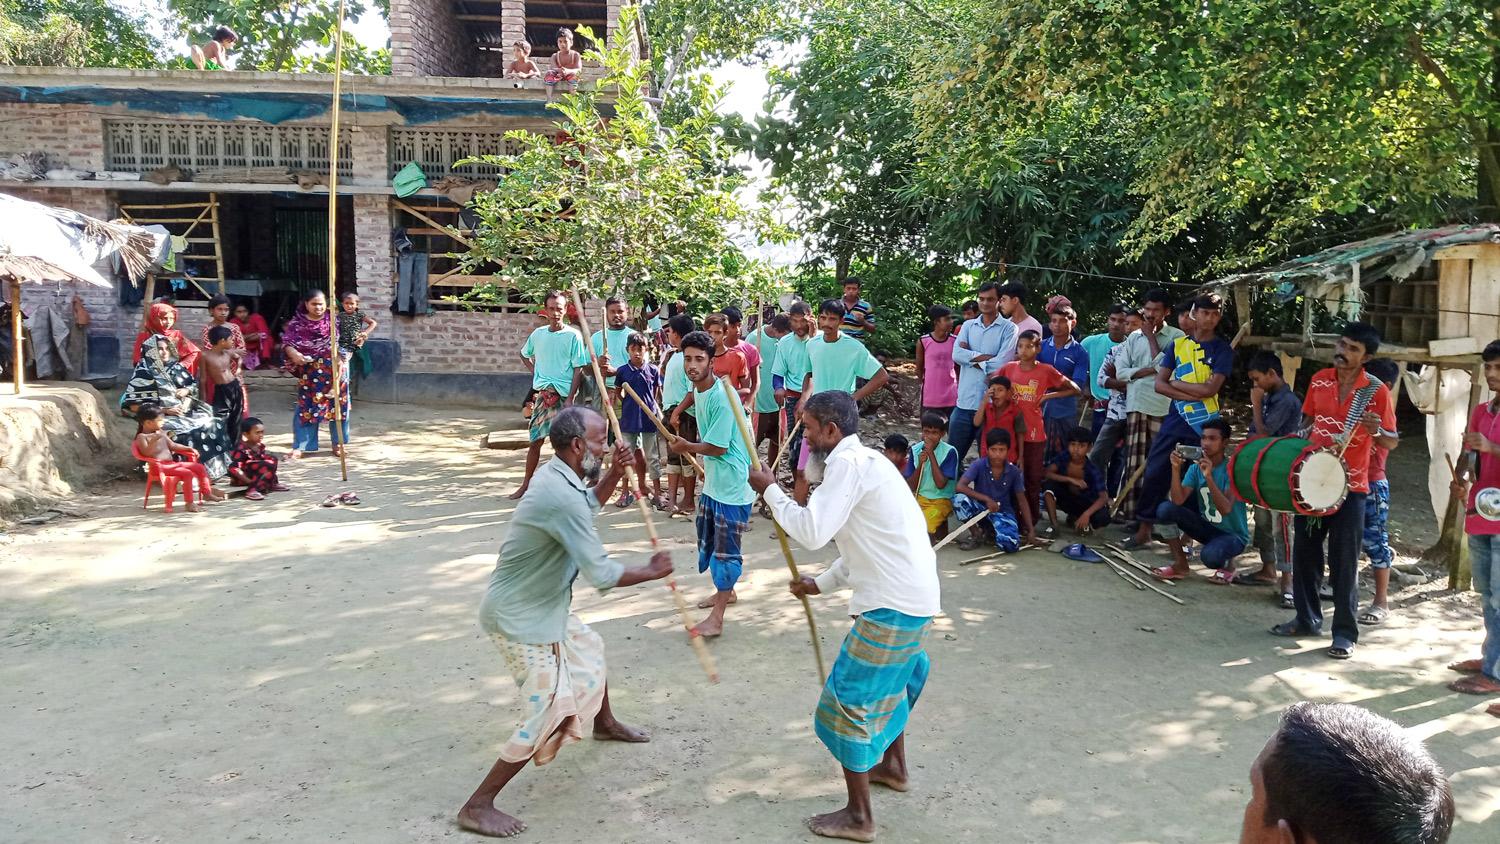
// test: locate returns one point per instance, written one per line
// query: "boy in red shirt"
(1482, 440)
(1032, 385)
(999, 412)
(729, 362)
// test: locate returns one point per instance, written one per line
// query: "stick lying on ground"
(981, 559)
(1129, 559)
(655, 420)
(704, 657)
(1148, 584)
(786, 549)
(1140, 587)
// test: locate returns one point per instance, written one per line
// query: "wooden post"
(333, 252)
(19, 356)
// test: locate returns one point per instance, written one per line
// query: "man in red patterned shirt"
(1326, 413)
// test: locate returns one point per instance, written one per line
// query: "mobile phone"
(1190, 453)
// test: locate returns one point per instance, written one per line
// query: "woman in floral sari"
(307, 344)
(162, 380)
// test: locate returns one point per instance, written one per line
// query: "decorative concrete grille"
(140, 146)
(436, 151)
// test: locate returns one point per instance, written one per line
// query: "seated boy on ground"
(932, 474)
(995, 484)
(1076, 486)
(1217, 519)
(895, 451)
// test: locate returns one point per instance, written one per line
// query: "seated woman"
(160, 319)
(161, 380)
(257, 335)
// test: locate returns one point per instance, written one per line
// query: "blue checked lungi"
(720, 529)
(1377, 539)
(874, 684)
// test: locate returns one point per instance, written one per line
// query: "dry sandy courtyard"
(283, 672)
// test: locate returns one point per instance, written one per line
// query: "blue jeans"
(1484, 558)
(795, 445)
(961, 433)
(305, 434)
(1007, 532)
(1157, 481)
(1377, 539)
(1219, 547)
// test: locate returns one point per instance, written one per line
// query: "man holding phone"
(1217, 519)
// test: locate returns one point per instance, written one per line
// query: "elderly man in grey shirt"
(555, 659)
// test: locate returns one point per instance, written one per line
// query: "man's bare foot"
(616, 731)
(489, 821)
(889, 777)
(516, 496)
(708, 603)
(1467, 666)
(842, 824)
(294, 454)
(709, 627)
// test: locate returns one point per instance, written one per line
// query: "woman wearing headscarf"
(257, 336)
(307, 342)
(161, 379)
(160, 318)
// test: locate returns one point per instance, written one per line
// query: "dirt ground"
(283, 672)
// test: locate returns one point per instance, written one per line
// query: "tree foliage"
(75, 33)
(283, 35)
(621, 206)
(709, 32)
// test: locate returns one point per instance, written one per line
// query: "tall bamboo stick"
(786, 550)
(19, 359)
(655, 420)
(333, 253)
(704, 657)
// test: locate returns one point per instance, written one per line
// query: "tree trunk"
(1452, 548)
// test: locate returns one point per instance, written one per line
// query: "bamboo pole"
(18, 353)
(978, 517)
(1124, 492)
(786, 441)
(656, 420)
(705, 659)
(333, 253)
(786, 549)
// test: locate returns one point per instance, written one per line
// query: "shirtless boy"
(151, 441)
(218, 366)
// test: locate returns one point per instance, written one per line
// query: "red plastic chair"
(154, 475)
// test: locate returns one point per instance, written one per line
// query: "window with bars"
(140, 146)
(437, 150)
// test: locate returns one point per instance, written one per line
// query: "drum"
(1288, 475)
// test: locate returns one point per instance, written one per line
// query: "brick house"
(238, 141)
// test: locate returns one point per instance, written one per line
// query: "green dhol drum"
(1288, 475)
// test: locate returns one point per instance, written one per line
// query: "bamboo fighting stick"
(333, 253)
(19, 359)
(786, 441)
(786, 549)
(1125, 490)
(705, 659)
(656, 420)
(978, 517)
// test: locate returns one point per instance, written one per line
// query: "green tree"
(76, 33)
(1287, 115)
(708, 32)
(625, 205)
(289, 35)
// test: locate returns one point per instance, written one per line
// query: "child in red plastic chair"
(155, 445)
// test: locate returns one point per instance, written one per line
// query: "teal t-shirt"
(674, 382)
(947, 459)
(554, 355)
(765, 397)
(837, 365)
(1097, 346)
(791, 363)
(1233, 522)
(728, 480)
(612, 340)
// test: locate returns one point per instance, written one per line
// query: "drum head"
(1321, 482)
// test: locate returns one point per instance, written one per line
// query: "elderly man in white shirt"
(866, 507)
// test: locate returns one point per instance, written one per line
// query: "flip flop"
(331, 501)
(1373, 616)
(1341, 651)
(1290, 630)
(255, 495)
(349, 498)
(1493, 709)
(1245, 578)
(1222, 577)
(1167, 573)
(1287, 602)
(1082, 553)
(280, 488)
(1467, 666)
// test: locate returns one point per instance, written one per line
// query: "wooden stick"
(655, 420)
(1131, 561)
(786, 441)
(961, 528)
(1150, 584)
(333, 252)
(981, 558)
(786, 549)
(705, 659)
(1125, 490)
(18, 359)
(1140, 587)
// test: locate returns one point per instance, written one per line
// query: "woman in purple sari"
(307, 342)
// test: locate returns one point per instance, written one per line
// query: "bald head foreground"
(555, 659)
(1338, 774)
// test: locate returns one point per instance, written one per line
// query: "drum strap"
(1357, 408)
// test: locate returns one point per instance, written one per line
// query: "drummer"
(1326, 413)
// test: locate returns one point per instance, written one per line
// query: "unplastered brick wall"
(462, 341)
(427, 41)
(70, 135)
(373, 264)
(106, 315)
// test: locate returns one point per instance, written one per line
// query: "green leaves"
(289, 35)
(625, 206)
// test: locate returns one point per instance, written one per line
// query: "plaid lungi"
(547, 403)
(1140, 430)
(562, 688)
(872, 688)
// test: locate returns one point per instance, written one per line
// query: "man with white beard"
(555, 659)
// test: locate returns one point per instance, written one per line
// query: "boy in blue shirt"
(1066, 355)
(1275, 412)
(1076, 486)
(640, 433)
(994, 483)
(1216, 519)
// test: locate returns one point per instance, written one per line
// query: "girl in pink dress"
(935, 366)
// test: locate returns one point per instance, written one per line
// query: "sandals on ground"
(349, 498)
(331, 501)
(1287, 602)
(1341, 649)
(1222, 577)
(1373, 616)
(255, 495)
